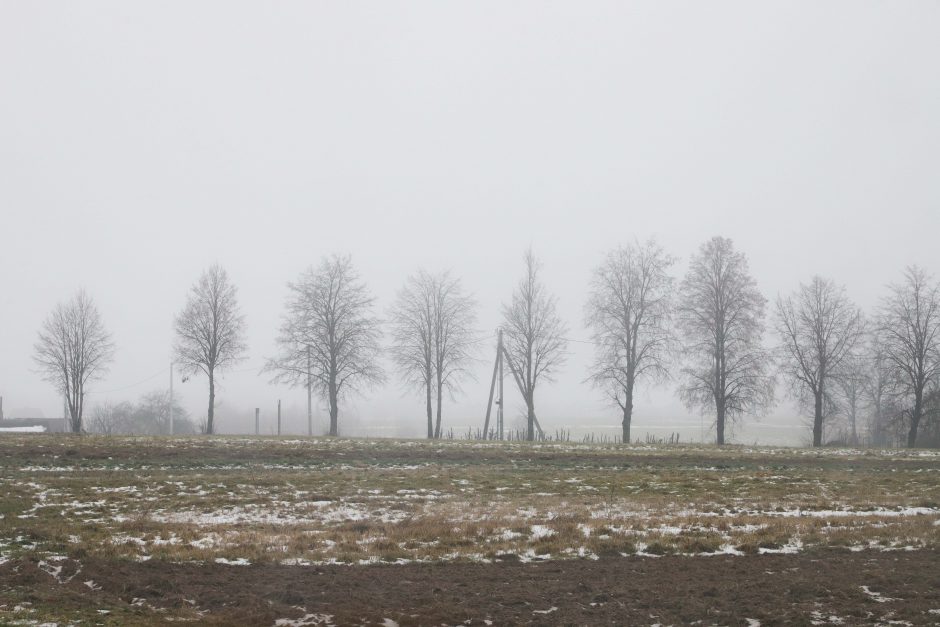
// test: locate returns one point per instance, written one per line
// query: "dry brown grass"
(345, 501)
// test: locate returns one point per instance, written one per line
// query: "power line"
(571, 339)
(132, 385)
(567, 339)
(257, 369)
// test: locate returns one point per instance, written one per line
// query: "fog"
(140, 143)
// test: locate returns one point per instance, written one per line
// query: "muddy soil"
(828, 587)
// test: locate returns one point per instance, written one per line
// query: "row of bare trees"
(433, 338)
(709, 330)
(706, 332)
(836, 363)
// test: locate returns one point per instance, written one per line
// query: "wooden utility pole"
(501, 354)
(279, 416)
(497, 372)
(499, 408)
(257, 421)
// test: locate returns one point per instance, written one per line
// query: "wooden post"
(489, 403)
(279, 416)
(499, 409)
(257, 420)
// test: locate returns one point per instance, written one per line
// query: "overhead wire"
(132, 385)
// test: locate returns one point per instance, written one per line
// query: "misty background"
(142, 142)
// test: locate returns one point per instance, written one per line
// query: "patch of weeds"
(658, 547)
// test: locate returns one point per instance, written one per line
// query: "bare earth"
(244, 531)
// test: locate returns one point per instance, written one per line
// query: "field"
(267, 531)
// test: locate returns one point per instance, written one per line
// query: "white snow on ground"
(541, 531)
(818, 618)
(322, 512)
(36, 429)
(835, 513)
(795, 545)
(877, 596)
(241, 561)
(548, 611)
(56, 571)
(310, 619)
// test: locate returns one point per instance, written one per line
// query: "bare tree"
(72, 350)
(629, 312)
(852, 383)
(909, 329)
(412, 319)
(880, 389)
(210, 331)
(149, 416)
(721, 315)
(535, 343)
(454, 320)
(108, 418)
(328, 336)
(819, 328)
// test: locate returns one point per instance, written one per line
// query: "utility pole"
(257, 420)
(309, 396)
(499, 408)
(279, 416)
(497, 376)
(171, 398)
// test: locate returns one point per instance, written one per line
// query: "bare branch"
(73, 349)
(629, 312)
(210, 330)
(721, 315)
(328, 317)
(534, 335)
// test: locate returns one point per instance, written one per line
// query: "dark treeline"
(859, 377)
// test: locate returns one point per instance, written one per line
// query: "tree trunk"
(627, 414)
(440, 395)
(915, 418)
(720, 423)
(818, 419)
(627, 417)
(334, 411)
(74, 417)
(430, 411)
(80, 405)
(530, 423)
(211, 417)
(720, 393)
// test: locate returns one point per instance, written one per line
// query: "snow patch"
(877, 596)
(241, 561)
(310, 619)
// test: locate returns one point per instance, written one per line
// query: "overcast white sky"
(141, 142)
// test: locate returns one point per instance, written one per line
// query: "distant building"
(51, 425)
